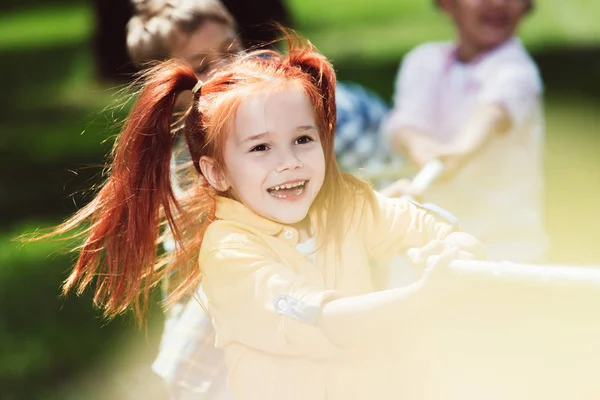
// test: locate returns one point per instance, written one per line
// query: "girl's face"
(206, 48)
(485, 24)
(274, 161)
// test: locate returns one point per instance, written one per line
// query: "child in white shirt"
(475, 105)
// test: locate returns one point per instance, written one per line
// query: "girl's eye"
(260, 147)
(303, 140)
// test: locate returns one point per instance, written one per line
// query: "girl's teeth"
(299, 189)
(284, 196)
(289, 186)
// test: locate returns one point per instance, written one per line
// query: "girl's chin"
(288, 217)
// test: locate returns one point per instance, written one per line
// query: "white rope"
(427, 175)
(538, 274)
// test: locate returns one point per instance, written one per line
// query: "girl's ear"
(213, 174)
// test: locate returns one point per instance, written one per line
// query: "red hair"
(120, 249)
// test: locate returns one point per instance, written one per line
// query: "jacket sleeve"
(393, 225)
(261, 303)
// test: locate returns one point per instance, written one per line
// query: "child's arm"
(418, 146)
(509, 96)
(381, 316)
(415, 94)
(261, 303)
(488, 121)
(258, 301)
(391, 226)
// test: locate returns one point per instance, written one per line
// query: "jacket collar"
(229, 209)
(233, 210)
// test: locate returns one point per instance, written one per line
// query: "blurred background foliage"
(57, 123)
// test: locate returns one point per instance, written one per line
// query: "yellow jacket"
(264, 297)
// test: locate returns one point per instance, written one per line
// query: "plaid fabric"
(360, 114)
(188, 361)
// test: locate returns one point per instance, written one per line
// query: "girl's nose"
(289, 161)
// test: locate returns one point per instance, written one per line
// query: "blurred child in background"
(201, 32)
(475, 104)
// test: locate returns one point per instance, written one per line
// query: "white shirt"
(308, 248)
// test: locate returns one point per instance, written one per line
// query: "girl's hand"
(436, 256)
(469, 247)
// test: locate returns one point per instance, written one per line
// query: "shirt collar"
(510, 43)
(233, 210)
(229, 209)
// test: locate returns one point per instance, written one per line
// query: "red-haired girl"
(280, 237)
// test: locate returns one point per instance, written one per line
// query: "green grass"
(341, 28)
(573, 180)
(45, 26)
(51, 342)
(386, 29)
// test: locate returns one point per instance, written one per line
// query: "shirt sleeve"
(414, 91)
(261, 303)
(516, 86)
(394, 225)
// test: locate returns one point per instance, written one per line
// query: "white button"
(288, 234)
(282, 304)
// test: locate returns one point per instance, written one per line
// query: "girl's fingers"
(465, 255)
(443, 259)
(470, 247)
(420, 255)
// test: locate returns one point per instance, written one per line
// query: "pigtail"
(196, 211)
(121, 240)
(194, 131)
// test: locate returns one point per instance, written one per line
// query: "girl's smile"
(289, 190)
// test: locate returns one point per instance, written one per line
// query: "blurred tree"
(112, 60)
(256, 19)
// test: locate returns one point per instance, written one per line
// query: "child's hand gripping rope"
(437, 257)
(433, 259)
(415, 188)
(462, 254)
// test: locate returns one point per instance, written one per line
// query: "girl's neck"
(303, 228)
(467, 52)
